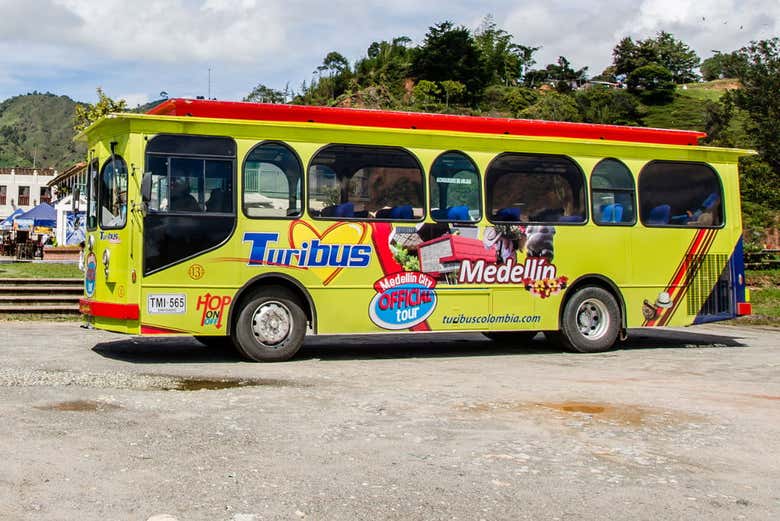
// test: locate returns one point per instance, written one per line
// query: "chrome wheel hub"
(592, 319)
(271, 323)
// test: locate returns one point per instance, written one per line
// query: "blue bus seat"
(458, 213)
(507, 214)
(402, 212)
(661, 214)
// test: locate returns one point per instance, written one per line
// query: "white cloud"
(72, 46)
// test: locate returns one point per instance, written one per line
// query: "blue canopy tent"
(43, 215)
(8, 222)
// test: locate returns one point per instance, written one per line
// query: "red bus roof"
(420, 121)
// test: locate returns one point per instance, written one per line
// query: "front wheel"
(271, 326)
(590, 322)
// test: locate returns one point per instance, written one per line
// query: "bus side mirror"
(146, 187)
(75, 199)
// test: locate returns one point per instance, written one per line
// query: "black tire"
(590, 322)
(271, 325)
(510, 337)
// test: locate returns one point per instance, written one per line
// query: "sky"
(134, 50)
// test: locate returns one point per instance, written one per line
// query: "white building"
(24, 188)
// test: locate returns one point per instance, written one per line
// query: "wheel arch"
(274, 279)
(595, 279)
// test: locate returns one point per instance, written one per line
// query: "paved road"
(680, 424)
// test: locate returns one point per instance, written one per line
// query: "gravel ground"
(680, 424)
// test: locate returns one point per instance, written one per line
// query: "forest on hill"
(659, 82)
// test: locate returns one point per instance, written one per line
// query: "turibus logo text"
(313, 254)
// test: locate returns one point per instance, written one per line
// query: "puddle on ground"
(218, 384)
(80, 406)
(622, 414)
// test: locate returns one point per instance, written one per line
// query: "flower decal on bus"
(403, 300)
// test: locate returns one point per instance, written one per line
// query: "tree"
(757, 66)
(609, 106)
(87, 114)
(452, 89)
(505, 61)
(665, 50)
(554, 107)
(426, 93)
(560, 74)
(760, 78)
(520, 98)
(264, 94)
(677, 57)
(450, 53)
(653, 83)
(721, 65)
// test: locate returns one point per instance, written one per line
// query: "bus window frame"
(304, 183)
(583, 179)
(634, 194)
(480, 189)
(112, 159)
(683, 226)
(204, 157)
(93, 172)
(423, 173)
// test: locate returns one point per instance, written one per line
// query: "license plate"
(166, 304)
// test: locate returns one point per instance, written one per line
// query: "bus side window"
(680, 194)
(272, 182)
(535, 188)
(365, 182)
(455, 189)
(612, 193)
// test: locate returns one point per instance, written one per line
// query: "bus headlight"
(106, 258)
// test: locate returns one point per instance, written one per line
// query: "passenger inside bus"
(181, 198)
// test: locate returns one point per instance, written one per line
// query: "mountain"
(37, 130)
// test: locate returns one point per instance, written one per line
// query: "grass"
(765, 297)
(684, 112)
(36, 270)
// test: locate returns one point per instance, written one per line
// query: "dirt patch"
(80, 406)
(218, 384)
(621, 414)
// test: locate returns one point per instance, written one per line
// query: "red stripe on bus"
(673, 286)
(698, 258)
(109, 309)
(421, 121)
(147, 329)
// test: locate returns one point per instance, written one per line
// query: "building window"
(3, 193)
(45, 195)
(24, 196)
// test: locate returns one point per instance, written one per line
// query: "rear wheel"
(271, 326)
(590, 322)
(506, 337)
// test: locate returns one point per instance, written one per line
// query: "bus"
(257, 224)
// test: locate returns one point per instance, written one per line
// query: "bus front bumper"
(95, 308)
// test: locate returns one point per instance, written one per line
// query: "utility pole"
(209, 96)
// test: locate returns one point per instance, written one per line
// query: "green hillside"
(37, 129)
